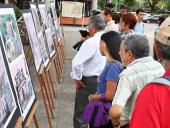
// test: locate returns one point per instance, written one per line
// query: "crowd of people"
(118, 84)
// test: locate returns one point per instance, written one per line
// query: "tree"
(152, 4)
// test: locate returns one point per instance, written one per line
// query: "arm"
(110, 91)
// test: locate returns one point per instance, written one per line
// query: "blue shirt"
(110, 72)
(139, 27)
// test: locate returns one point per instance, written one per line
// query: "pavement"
(64, 102)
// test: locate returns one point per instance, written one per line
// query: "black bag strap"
(162, 80)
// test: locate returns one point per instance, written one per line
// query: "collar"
(99, 33)
(167, 73)
(143, 59)
(110, 22)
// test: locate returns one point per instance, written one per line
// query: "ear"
(157, 50)
(130, 55)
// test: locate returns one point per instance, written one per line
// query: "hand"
(79, 84)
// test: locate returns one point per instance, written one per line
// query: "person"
(140, 69)
(160, 21)
(94, 12)
(86, 66)
(110, 24)
(127, 23)
(152, 104)
(139, 27)
(123, 9)
(109, 5)
(108, 79)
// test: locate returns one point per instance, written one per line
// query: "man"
(139, 27)
(123, 9)
(152, 104)
(140, 69)
(110, 23)
(86, 66)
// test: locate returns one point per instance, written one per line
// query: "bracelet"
(89, 98)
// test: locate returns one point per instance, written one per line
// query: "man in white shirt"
(110, 23)
(139, 27)
(140, 70)
(86, 66)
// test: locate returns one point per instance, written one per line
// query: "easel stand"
(19, 122)
(32, 116)
(46, 98)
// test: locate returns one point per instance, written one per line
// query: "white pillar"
(94, 4)
(6, 2)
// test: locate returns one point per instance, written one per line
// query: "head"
(127, 21)
(94, 12)
(160, 20)
(96, 23)
(162, 43)
(109, 5)
(123, 9)
(107, 14)
(110, 45)
(116, 17)
(140, 13)
(134, 46)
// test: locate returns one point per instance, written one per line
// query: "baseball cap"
(163, 35)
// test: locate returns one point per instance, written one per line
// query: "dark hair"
(161, 19)
(108, 11)
(116, 17)
(109, 5)
(139, 10)
(123, 7)
(95, 12)
(164, 49)
(129, 19)
(112, 40)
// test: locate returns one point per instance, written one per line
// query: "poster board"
(46, 18)
(8, 105)
(50, 42)
(72, 9)
(40, 35)
(55, 18)
(15, 59)
(33, 39)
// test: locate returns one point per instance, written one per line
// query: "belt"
(89, 77)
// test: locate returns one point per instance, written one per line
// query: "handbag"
(96, 113)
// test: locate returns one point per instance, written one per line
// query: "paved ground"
(64, 102)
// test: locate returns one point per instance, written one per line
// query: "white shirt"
(139, 27)
(137, 74)
(88, 61)
(111, 26)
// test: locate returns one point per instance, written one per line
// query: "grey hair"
(97, 21)
(138, 44)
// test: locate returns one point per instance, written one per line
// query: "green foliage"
(17, 12)
(101, 4)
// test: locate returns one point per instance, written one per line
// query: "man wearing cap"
(86, 66)
(140, 70)
(152, 108)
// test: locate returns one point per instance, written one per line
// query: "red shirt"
(152, 107)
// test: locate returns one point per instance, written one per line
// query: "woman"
(127, 24)
(108, 79)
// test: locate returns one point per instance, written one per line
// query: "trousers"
(81, 100)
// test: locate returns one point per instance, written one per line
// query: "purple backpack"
(96, 113)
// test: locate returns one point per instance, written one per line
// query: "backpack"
(162, 80)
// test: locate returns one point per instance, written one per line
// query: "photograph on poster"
(55, 18)
(7, 101)
(35, 45)
(44, 16)
(22, 82)
(10, 36)
(43, 49)
(35, 18)
(50, 42)
(19, 70)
